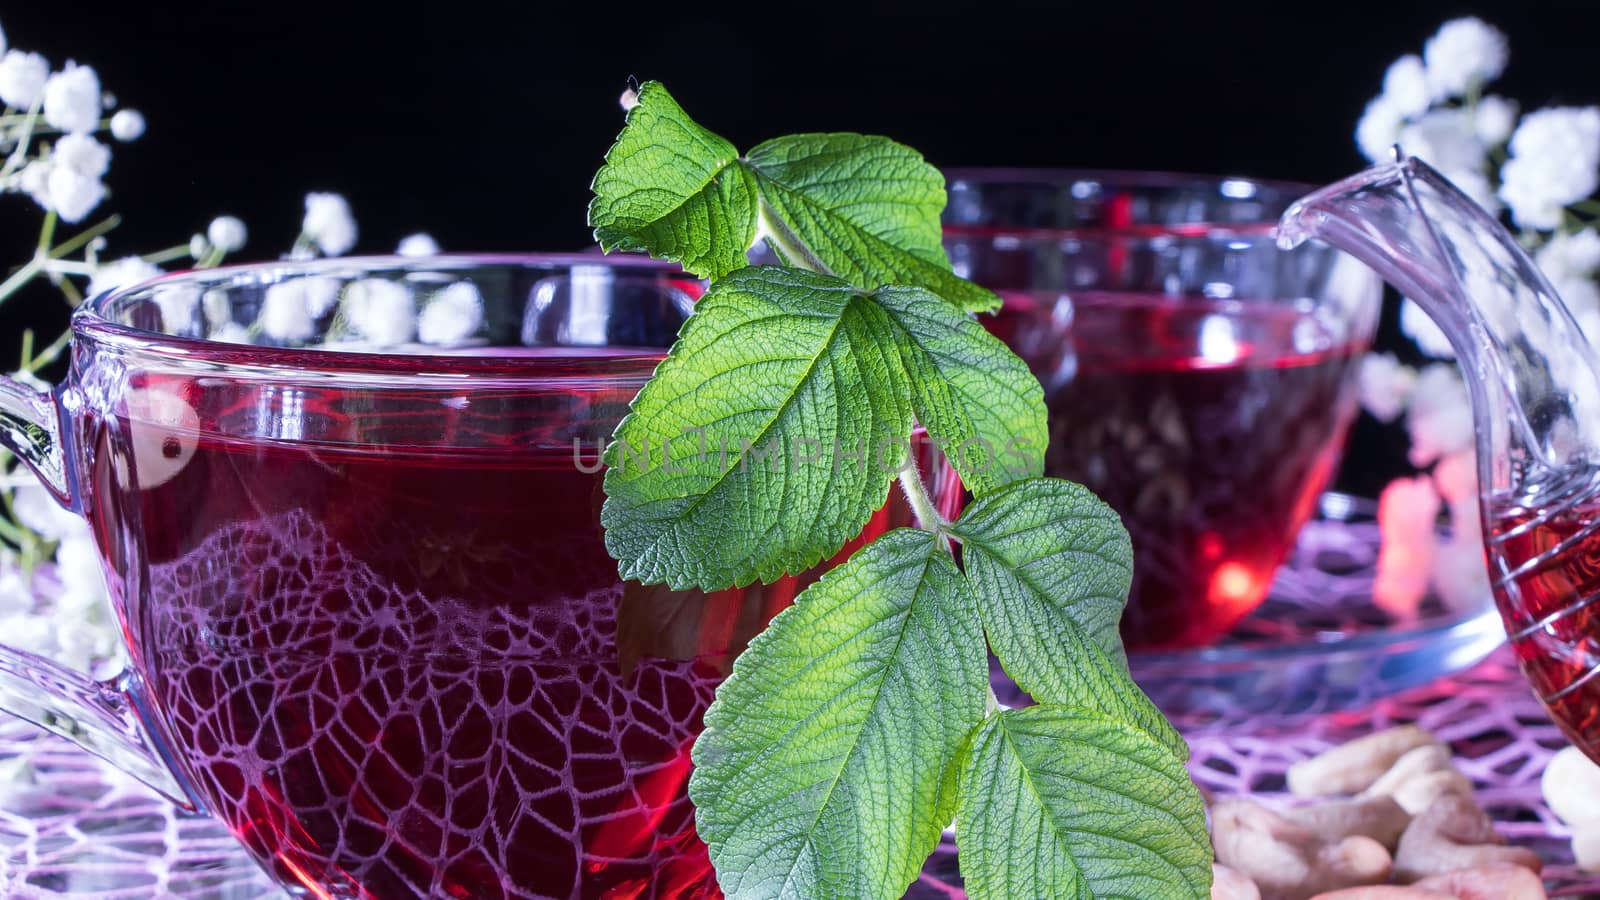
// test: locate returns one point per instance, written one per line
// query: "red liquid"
(1546, 586)
(400, 673)
(1211, 426)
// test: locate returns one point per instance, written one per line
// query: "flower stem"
(48, 355)
(73, 244)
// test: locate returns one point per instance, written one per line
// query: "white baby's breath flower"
(1476, 186)
(1581, 296)
(1420, 327)
(72, 195)
(72, 98)
(1406, 85)
(22, 78)
(418, 245)
(125, 272)
(227, 233)
(177, 303)
(285, 313)
(452, 316)
(230, 333)
(1379, 128)
(1439, 416)
(1575, 255)
(322, 293)
(198, 246)
(1446, 139)
(127, 125)
(1555, 161)
(329, 223)
(39, 511)
(34, 180)
(82, 154)
(1494, 118)
(1384, 385)
(1464, 53)
(383, 312)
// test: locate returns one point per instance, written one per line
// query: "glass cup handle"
(98, 716)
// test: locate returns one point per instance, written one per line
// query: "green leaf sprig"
(859, 724)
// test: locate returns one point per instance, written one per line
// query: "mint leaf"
(866, 207)
(863, 207)
(674, 190)
(827, 767)
(1050, 565)
(764, 440)
(978, 401)
(1065, 803)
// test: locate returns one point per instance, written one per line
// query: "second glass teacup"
(372, 621)
(1199, 379)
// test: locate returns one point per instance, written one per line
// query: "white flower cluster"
(33, 623)
(66, 177)
(1433, 106)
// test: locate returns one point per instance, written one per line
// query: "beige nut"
(1380, 818)
(1353, 767)
(1418, 793)
(1498, 882)
(1431, 757)
(1571, 787)
(1228, 883)
(1454, 833)
(1288, 861)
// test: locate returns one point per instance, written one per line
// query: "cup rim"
(90, 323)
(1129, 178)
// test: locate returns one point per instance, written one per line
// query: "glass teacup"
(352, 537)
(1200, 380)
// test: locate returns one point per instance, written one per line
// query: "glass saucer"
(1319, 644)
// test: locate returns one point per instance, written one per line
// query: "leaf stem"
(922, 508)
(788, 244)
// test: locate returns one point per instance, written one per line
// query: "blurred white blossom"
(1555, 162)
(418, 245)
(1379, 129)
(1384, 385)
(125, 272)
(38, 510)
(381, 311)
(1406, 85)
(285, 312)
(127, 125)
(1447, 139)
(452, 316)
(72, 98)
(1575, 255)
(227, 233)
(1463, 54)
(1494, 119)
(71, 194)
(329, 223)
(22, 78)
(82, 154)
(1420, 327)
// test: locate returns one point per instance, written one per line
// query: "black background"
(482, 122)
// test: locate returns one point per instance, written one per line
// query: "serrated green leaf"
(976, 398)
(671, 188)
(864, 206)
(867, 207)
(748, 429)
(828, 763)
(1050, 565)
(1064, 803)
